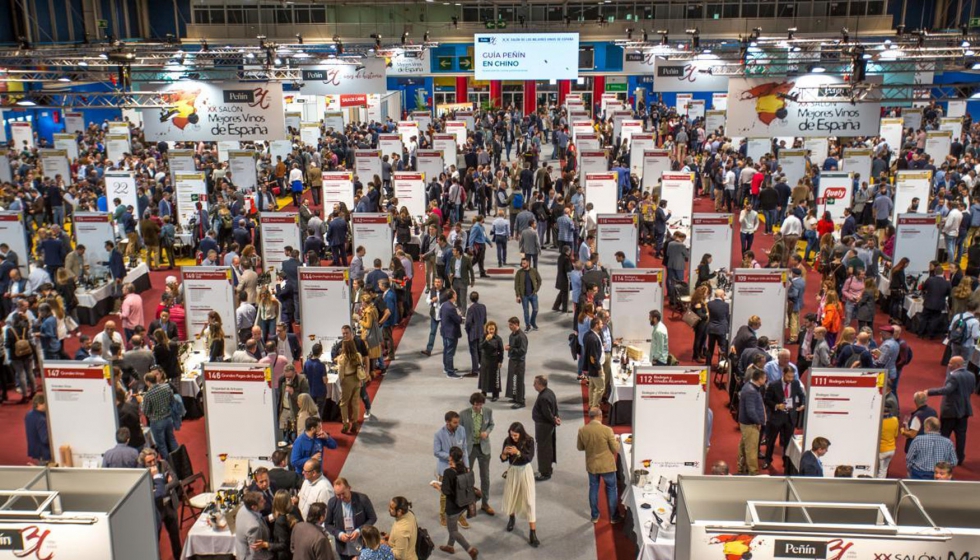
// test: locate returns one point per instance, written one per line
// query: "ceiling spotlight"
(299, 38)
(816, 69)
(845, 35)
(791, 33)
(278, 61)
(404, 37)
(64, 79)
(26, 103)
(82, 63)
(103, 56)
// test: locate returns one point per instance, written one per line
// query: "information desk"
(633, 497)
(95, 304)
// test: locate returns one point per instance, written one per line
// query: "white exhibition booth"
(640, 143)
(238, 399)
(409, 187)
(430, 164)
(917, 238)
(655, 164)
(602, 191)
(910, 185)
(617, 232)
(14, 233)
(678, 190)
(858, 162)
(711, 234)
(762, 292)
(338, 188)
(676, 397)
(373, 232)
(92, 229)
(206, 289)
(279, 230)
(844, 406)
(325, 304)
(834, 195)
(82, 421)
(82, 514)
(592, 162)
(445, 143)
(633, 294)
(367, 164)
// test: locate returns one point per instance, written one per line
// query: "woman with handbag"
(491, 358)
(697, 318)
(349, 364)
(370, 330)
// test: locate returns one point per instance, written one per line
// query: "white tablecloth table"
(913, 305)
(884, 284)
(622, 389)
(795, 451)
(90, 298)
(633, 497)
(203, 540)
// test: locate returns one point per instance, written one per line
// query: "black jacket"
(775, 395)
(593, 353)
(935, 293)
(718, 317)
(363, 515)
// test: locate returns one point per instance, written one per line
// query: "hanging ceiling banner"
(673, 75)
(526, 56)
(711, 234)
(633, 294)
(81, 410)
(215, 111)
(675, 396)
(766, 108)
(844, 405)
(346, 78)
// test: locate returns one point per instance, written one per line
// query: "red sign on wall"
(353, 100)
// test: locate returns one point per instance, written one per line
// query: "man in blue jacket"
(450, 324)
(310, 444)
(751, 418)
(36, 425)
(810, 464)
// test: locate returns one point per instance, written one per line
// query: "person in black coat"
(561, 280)
(936, 292)
(491, 358)
(362, 512)
(784, 400)
(546, 419)
(476, 318)
(719, 314)
(449, 326)
(129, 417)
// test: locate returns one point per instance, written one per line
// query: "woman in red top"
(825, 225)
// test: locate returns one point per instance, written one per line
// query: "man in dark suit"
(263, 486)
(476, 319)
(165, 324)
(337, 239)
(449, 325)
(459, 269)
(810, 464)
(361, 513)
(544, 413)
(281, 477)
(784, 401)
(719, 318)
(285, 337)
(936, 292)
(955, 409)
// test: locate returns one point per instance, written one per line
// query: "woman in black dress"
(561, 281)
(491, 357)
(699, 306)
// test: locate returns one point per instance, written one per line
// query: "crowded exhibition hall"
(275, 280)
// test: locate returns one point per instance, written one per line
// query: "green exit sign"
(102, 23)
(975, 22)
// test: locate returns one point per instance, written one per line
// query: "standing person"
(562, 280)
(459, 269)
(928, 449)
(491, 358)
(922, 412)
(719, 314)
(455, 487)
(316, 489)
(155, 405)
(131, 311)
(517, 356)
(527, 282)
(309, 542)
(252, 534)
(601, 447)
(659, 348)
(887, 440)
(519, 494)
(347, 513)
(751, 419)
(404, 531)
(748, 221)
(36, 428)
(162, 479)
(546, 419)
(349, 366)
(592, 361)
(478, 423)
(447, 437)
(529, 243)
(677, 256)
(784, 400)
(450, 323)
(964, 330)
(476, 320)
(436, 297)
(956, 409)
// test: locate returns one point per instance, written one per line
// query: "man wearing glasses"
(316, 487)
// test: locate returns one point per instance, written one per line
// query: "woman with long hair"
(961, 296)
(398, 279)
(249, 255)
(214, 337)
(704, 270)
(699, 306)
(491, 358)
(825, 253)
(373, 547)
(519, 495)
(348, 361)
(825, 226)
(865, 310)
(65, 285)
(282, 526)
(851, 294)
(307, 409)
(448, 487)
(165, 354)
(583, 325)
(61, 320)
(371, 330)
(403, 226)
(897, 288)
(833, 317)
(267, 314)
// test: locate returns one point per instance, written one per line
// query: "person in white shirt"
(749, 222)
(316, 487)
(951, 229)
(791, 230)
(108, 335)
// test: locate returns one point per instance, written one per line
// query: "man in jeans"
(436, 297)
(601, 447)
(155, 405)
(527, 282)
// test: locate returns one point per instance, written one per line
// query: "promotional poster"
(217, 111)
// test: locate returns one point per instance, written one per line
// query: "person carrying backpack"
(458, 485)
(964, 330)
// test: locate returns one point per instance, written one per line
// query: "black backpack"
(465, 495)
(423, 543)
